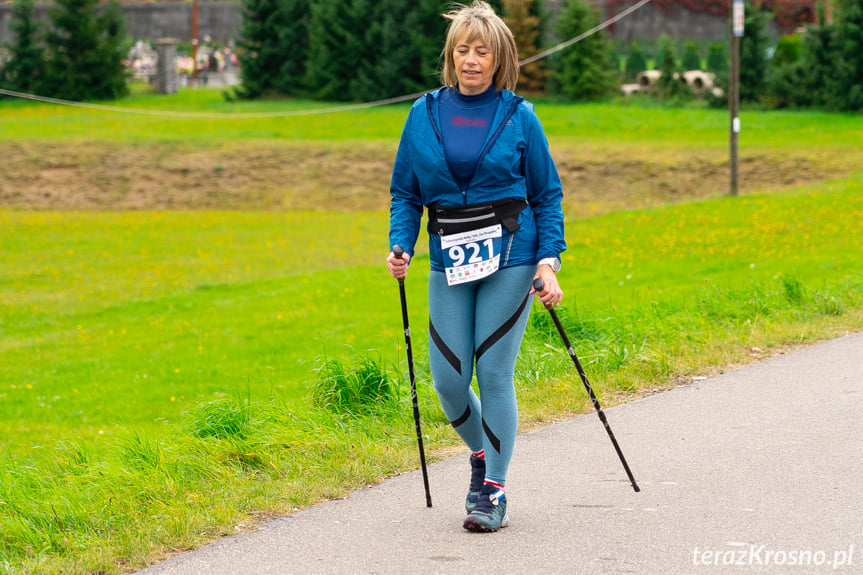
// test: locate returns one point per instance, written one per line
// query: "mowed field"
(160, 272)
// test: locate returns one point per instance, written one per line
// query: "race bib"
(472, 255)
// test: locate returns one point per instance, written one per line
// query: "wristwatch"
(553, 262)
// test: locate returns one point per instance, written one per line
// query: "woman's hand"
(551, 294)
(398, 267)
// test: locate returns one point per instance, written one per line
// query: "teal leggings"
(483, 323)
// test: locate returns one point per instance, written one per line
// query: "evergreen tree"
(785, 85)
(380, 72)
(403, 41)
(25, 69)
(499, 6)
(585, 69)
(336, 48)
(340, 49)
(716, 60)
(669, 85)
(86, 50)
(526, 29)
(257, 43)
(784, 77)
(691, 59)
(272, 47)
(846, 88)
(293, 44)
(753, 53)
(635, 62)
(816, 67)
(426, 29)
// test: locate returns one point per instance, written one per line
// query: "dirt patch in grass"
(95, 176)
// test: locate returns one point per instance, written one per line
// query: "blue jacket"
(515, 163)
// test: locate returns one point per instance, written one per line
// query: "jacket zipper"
(485, 149)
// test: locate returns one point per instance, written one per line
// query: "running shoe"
(490, 511)
(477, 475)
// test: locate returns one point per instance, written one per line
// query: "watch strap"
(553, 262)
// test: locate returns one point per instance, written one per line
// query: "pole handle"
(538, 284)
(398, 252)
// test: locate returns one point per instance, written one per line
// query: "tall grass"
(361, 389)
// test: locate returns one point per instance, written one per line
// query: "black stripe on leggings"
(501, 331)
(495, 442)
(464, 416)
(445, 351)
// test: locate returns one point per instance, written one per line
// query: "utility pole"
(734, 87)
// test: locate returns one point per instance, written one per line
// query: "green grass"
(192, 401)
(230, 301)
(639, 122)
(810, 233)
(49, 122)
(167, 378)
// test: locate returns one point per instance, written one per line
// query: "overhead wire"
(584, 35)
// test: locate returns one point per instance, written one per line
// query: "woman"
(476, 156)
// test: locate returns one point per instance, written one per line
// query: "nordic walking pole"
(398, 251)
(538, 285)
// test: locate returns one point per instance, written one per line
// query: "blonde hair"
(480, 21)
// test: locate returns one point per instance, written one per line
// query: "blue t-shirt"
(465, 124)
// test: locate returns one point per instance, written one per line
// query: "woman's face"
(474, 66)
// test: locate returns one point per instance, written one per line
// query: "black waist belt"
(446, 220)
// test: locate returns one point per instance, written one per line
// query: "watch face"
(556, 265)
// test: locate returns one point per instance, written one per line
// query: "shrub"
(691, 59)
(716, 60)
(787, 51)
(635, 62)
(786, 86)
(786, 79)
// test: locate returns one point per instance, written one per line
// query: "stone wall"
(651, 21)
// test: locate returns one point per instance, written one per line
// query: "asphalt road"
(755, 471)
